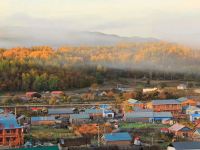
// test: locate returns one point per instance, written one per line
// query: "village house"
(194, 117)
(47, 120)
(167, 105)
(74, 142)
(108, 114)
(94, 113)
(147, 116)
(187, 101)
(64, 112)
(196, 135)
(147, 90)
(119, 139)
(133, 103)
(57, 93)
(33, 95)
(79, 118)
(192, 110)
(182, 87)
(184, 146)
(180, 130)
(11, 133)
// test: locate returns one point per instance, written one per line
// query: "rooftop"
(46, 118)
(121, 136)
(186, 145)
(149, 115)
(176, 127)
(8, 121)
(182, 99)
(93, 111)
(132, 101)
(104, 106)
(57, 111)
(165, 102)
(80, 116)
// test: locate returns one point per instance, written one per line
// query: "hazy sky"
(175, 20)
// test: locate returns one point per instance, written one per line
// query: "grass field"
(141, 125)
(49, 133)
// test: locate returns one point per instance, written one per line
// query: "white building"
(182, 87)
(147, 90)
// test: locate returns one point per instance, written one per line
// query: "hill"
(21, 36)
(46, 68)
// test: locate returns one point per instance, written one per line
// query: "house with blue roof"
(104, 106)
(11, 133)
(147, 117)
(108, 113)
(120, 139)
(192, 110)
(43, 120)
(194, 117)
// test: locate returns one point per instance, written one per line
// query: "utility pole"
(15, 111)
(98, 136)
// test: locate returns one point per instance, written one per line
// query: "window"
(7, 131)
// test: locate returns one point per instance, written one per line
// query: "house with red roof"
(57, 93)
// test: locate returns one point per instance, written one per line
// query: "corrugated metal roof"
(182, 99)
(186, 145)
(80, 116)
(104, 106)
(108, 111)
(148, 115)
(162, 114)
(176, 127)
(121, 136)
(8, 121)
(138, 109)
(165, 102)
(139, 115)
(57, 111)
(93, 111)
(46, 118)
(195, 115)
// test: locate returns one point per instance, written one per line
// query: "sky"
(172, 20)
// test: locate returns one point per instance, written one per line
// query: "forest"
(44, 68)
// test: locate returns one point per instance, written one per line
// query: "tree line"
(44, 68)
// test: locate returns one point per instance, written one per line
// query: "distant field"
(141, 125)
(49, 133)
